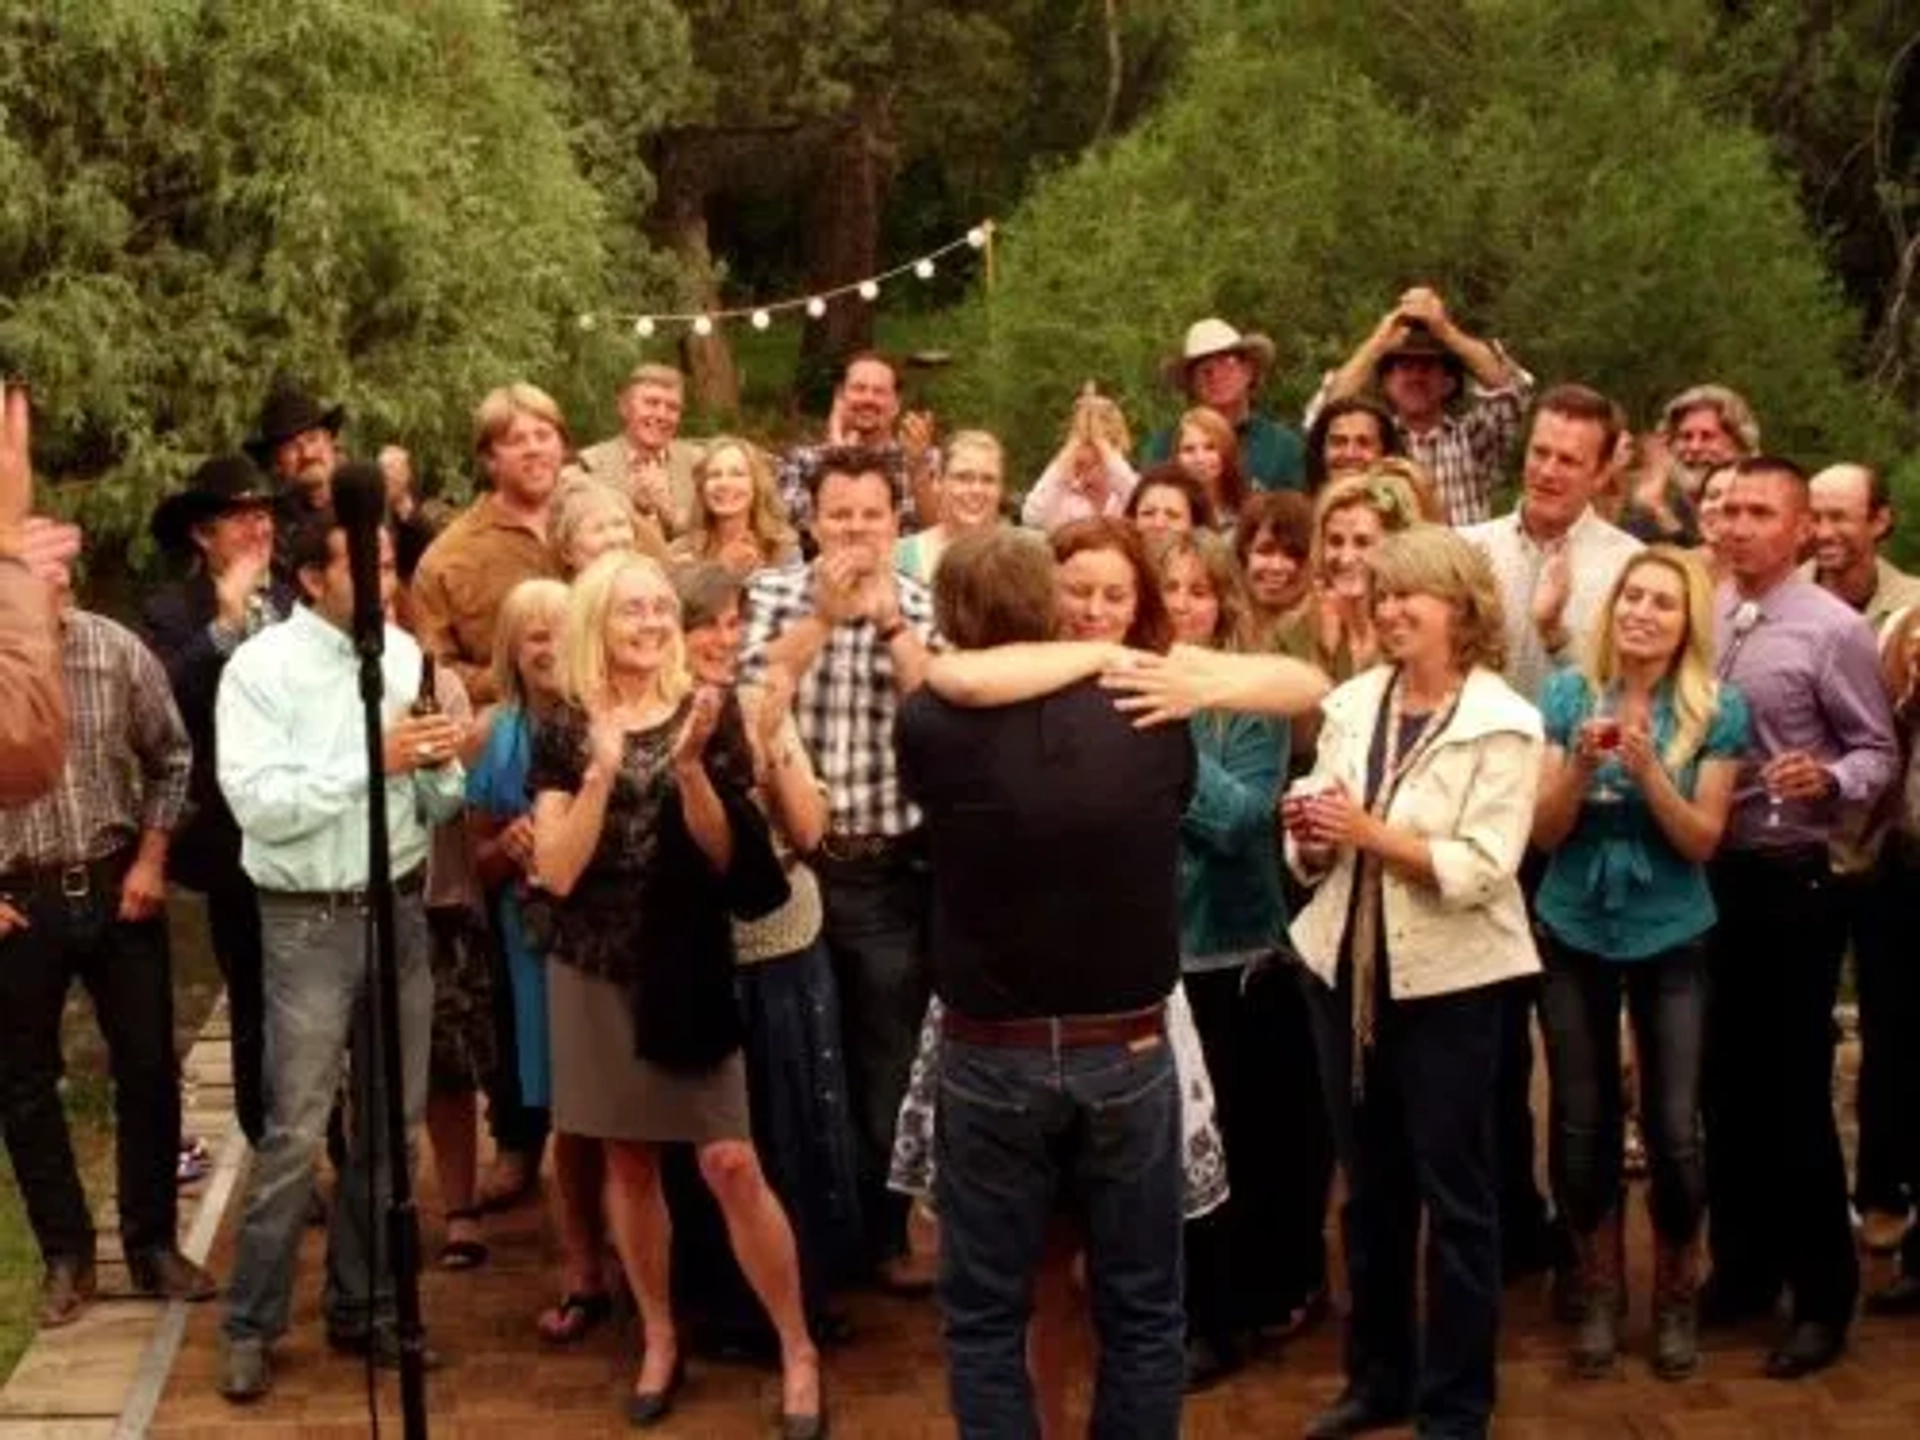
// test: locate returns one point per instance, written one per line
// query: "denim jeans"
(1019, 1133)
(1420, 1138)
(127, 972)
(1666, 999)
(876, 931)
(317, 1012)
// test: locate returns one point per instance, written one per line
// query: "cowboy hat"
(1214, 336)
(218, 487)
(290, 411)
(1419, 343)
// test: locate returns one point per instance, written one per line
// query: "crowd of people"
(832, 881)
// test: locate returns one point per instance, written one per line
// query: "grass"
(88, 1094)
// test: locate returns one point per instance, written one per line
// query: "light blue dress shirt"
(293, 757)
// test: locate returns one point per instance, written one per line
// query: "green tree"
(1547, 164)
(375, 198)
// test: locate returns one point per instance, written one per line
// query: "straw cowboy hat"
(218, 487)
(1214, 336)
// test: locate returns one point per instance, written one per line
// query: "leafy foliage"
(1545, 163)
(376, 198)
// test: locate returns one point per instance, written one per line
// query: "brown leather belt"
(852, 849)
(1068, 1032)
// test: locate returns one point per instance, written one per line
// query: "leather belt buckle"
(76, 882)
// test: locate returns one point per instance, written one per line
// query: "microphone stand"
(403, 1228)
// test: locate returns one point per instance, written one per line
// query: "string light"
(761, 317)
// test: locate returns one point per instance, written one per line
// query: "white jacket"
(1471, 795)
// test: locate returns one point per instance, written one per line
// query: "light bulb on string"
(869, 290)
(703, 325)
(586, 321)
(816, 307)
(924, 269)
(643, 327)
(761, 320)
(977, 237)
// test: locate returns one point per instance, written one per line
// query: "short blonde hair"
(497, 411)
(526, 605)
(650, 372)
(1386, 493)
(578, 501)
(583, 653)
(1433, 560)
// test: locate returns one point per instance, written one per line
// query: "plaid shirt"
(128, 756)
(847, 701)
(797, 468)
(1467, 450)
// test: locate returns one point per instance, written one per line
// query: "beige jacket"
(1471, 795)
(610, 463)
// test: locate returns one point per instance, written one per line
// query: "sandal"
(465, 1254)
(578, 1313)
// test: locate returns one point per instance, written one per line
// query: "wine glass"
(1602, 729)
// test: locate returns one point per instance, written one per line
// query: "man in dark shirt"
(1055, 834)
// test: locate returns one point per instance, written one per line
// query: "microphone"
(360, 505)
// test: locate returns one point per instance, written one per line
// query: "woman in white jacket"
(1413, 831)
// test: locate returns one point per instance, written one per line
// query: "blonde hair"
(984, 441)
(497, 411)
(766, 516)
(583, 652)
(1696, 693)
(1386, 492)
(1433, 560)
(1234, 628)
(1096, 417)
(649, 372)
(577, 502)
(528, 603)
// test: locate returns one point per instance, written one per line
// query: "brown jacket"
(33, 716)
(464, 576)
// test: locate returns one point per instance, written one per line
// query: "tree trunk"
(680, 222)
(844, 239)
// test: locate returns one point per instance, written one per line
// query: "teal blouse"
(1616, 887)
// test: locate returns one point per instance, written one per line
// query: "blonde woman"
(590, 518)
(1350, 519)
(737, 518)
(1091, 475)
(1412, 834)
(1642, 750)
(972, 487)
(644, 830)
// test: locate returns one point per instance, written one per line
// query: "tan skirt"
(603, 1091)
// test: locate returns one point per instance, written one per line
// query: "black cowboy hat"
(289, 411)
(218, 487)
(1420, 343)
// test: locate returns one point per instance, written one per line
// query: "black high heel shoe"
(647, 1408)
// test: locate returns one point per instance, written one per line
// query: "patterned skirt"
(463, 1052)
(1205, 1158)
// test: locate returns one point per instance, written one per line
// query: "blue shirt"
(293, 757)
(498, 787)
(1231, 908)
(1616, 887)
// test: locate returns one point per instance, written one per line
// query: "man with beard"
(297, 442)
(1419, 359)
(1221, 368)
(647, 461)
(866, 415)
(1852, 520)
(1704, 428)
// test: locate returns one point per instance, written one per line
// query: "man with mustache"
(866, 414)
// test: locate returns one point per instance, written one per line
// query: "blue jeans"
(1019, 1133)
(1666, 999)
(317, 1012)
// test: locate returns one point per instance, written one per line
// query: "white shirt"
(1596, 552)
(293, 757)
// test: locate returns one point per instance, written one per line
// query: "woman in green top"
(972, 488)
(1642, 751)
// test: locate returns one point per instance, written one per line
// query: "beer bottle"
(427, 702)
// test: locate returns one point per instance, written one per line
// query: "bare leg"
(1056, 1311)
(637, 1215)
(451, 1125)
(580, 1183)
(763, 1244)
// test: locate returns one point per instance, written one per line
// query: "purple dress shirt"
(1809, 667)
